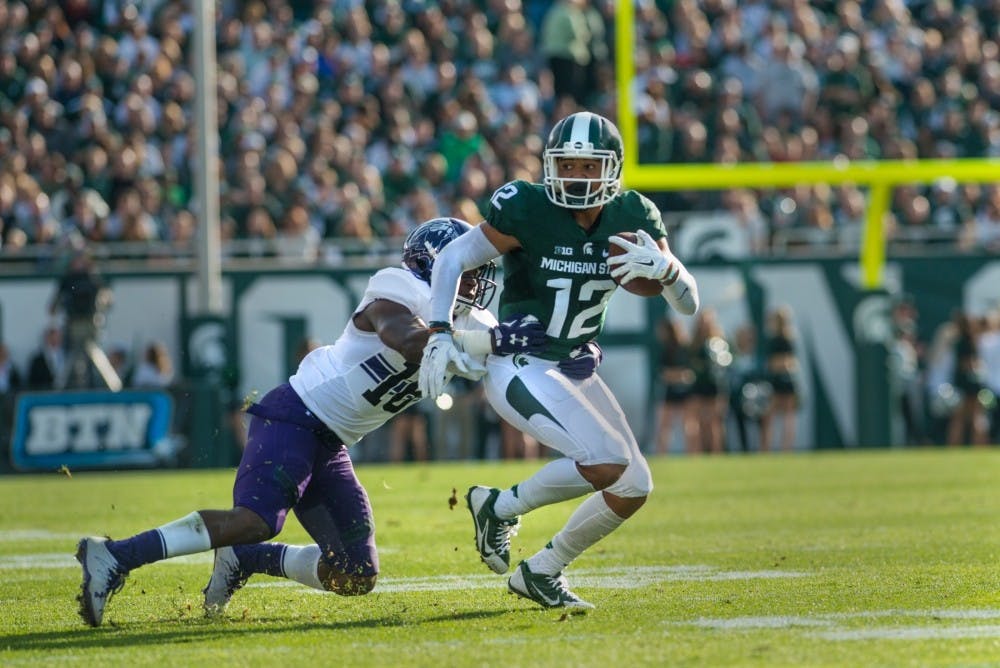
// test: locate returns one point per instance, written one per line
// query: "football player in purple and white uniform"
(296, 454)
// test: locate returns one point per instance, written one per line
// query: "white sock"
(301, 563)
(188, 535)
(557, 481)
(589, 523)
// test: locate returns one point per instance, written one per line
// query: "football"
(644, 287)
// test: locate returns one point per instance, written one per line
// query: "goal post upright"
(624, 76)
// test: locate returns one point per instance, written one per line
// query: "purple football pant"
(293, 461)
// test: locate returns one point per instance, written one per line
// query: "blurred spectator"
(750, 390)
(82, 298)
(788, 86)
(905, 365)
(297, 239)
(10, 377)
(458, 142)
(968, 422)
(119, 359)
(989, 350)
(710, 360)
(155, 369)
(847, 85)
(408, 433)
(675, 379)
(10, 385)
(566, 43)
(942, 398)
(849, 215)
(782, 365)
(949, 210)
(74, 198)
(745, 211)
(986, 222)
(47, 364)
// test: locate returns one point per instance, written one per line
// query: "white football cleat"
(103, 577)
(492, 533)
(227, 578)
(548, 591)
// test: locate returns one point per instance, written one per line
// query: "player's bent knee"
(635, 482)
(253, 526)
(343, 584)
(601, 476)
(624, 507)
(238, 526)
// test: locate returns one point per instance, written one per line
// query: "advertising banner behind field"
(90, 430)
(269, 313)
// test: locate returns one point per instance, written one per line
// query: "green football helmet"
(583, 135)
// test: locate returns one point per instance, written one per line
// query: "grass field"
(837, 559)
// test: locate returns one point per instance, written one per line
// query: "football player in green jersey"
(554, 238)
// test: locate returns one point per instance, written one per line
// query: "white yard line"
(604, 578)
(21, 535)
(833, 618)
(914, 633)
(828, 626)
(49, 560)
(832, 629)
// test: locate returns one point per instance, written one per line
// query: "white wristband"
(473, 341)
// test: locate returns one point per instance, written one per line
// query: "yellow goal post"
(878, 175)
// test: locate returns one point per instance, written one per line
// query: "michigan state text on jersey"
(560, 272)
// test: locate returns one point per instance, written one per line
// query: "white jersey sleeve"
(358, 383)
(399, 286)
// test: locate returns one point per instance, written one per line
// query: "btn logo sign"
(90, 430)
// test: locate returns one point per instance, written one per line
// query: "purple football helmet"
(424, 243)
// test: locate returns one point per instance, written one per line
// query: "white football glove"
(441, 360)
(471, 368)
(642, 260)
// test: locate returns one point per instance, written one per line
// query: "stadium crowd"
(355, 120)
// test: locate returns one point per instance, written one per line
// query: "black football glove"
(518, 334)
(583, 361)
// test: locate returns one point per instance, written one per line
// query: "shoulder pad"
(399, 286)
(643, 213)
(515, 201)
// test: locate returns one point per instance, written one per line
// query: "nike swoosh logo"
(484, 547)
(645, 263)
(552, 602)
